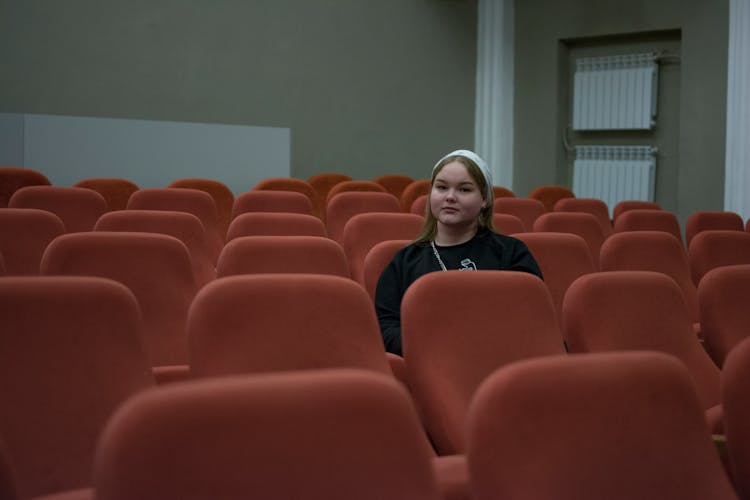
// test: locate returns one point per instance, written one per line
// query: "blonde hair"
(484, 219)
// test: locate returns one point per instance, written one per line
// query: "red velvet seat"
(648, 220)
(706, 220)
(333, 434)
(324, 181)
(394, 183)
(507, 224)
(582, 224)
(617, 426)
(223, 197)
(419, 206)
(296, 185)
(457, 328)
(14, 178)
(716, 248)
(24, 234)
(275, 224)
(272, 201)
(365, 230)
(184, 226)
(355, 186)
(77, 208)
(625, 205)
(593, 206)
(115, 190)
(155, 267)
(193, 201)
(342, 207)
(280, 322)
(526, 209)
(550, 194)
(413, 191)
(725, 316)
(282, 254)
(735, 380)
(562, 258)
(377, 258)
(639, 310)
(70, 353)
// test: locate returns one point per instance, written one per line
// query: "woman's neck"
(454, 235)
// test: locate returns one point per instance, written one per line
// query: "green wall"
(366, 87)
(543, 27)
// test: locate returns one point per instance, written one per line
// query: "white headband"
(471, 155)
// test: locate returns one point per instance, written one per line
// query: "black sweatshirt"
(487, 250)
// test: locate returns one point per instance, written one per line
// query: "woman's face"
(455, 198)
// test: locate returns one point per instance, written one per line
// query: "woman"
(458, 234)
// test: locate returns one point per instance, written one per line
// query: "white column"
(737, 166)
(493, 128)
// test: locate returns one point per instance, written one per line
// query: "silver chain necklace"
(437, 255)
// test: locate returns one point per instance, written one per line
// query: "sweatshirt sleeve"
(388, 297)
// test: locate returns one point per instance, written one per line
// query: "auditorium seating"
(377, 258)
(550, 194)
(639, 219)
(617, 426)
(625, 205)
(275, 224)
(282, 254)
(323, 182)
(507, 224)
(722, 296)
(116, 191)
(457, 328)
(155, 267)
(343, 206)
(272, 201)
(296, 185)
(184, 226)
(394, 183)
(639, 310)
(735, 386)
(593, 206)
(704, 220)
(70, 353)
(193, 201)
(526, 209)
(334, 434)
(414, 191)
(355, 186)
(222, 195)
(715, 248)
(14, 178)
(24, 234)
(582, 224)
(77, 208)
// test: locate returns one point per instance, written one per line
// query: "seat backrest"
(8, 488)
(376, 260)
(502, 192)
(115, 190)
(14, 178)
(529, 421)
(637, 310)
(550, 194)
(220, 192)
(280, 322)
(394, 183)
(296, 185)
(715, 248)
(24, 234)
(272, 201)
(357, 186)
(184, 226)
(562, 258)
(334, 434)
(526, 209)
(507, 224)
(275, 224)
(594, 206)
(155, 267)
(722, 297)
(77, 208)
(193, 201)
(363, 231)
(625, 205)
(414, 191)
(704, 220)
(583, 224)
(282, 254)
(343, 206)
(651, 251)
(639, 219)
(458, 327)
(323, 182)
(70, 353)
(419, 206)
(735, 386)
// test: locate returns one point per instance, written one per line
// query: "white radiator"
(614, 173)
(615, 92)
